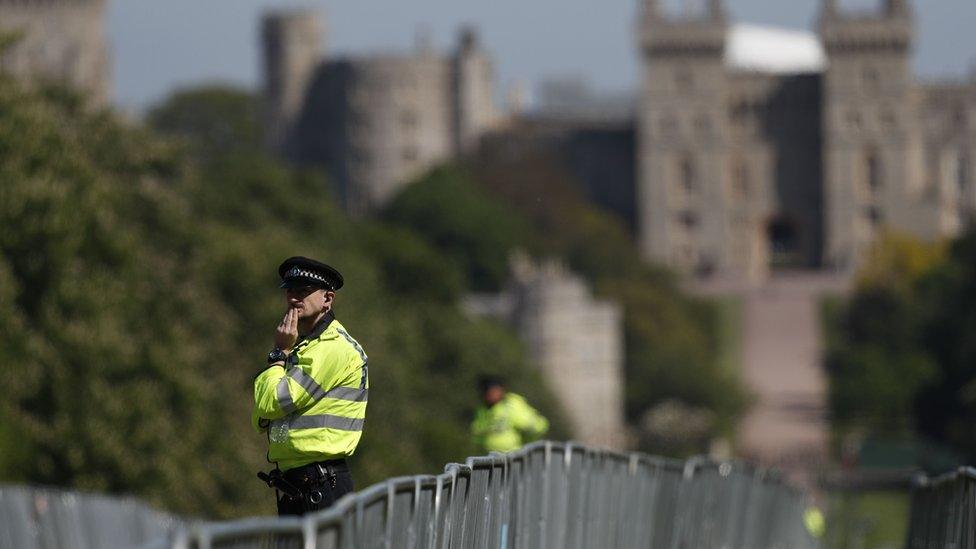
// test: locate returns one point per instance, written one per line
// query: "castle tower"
(681, 137)
(60, 41)
(473, 89)
(291, 44)
(872, 147)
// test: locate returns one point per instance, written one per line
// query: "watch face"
(276, 355)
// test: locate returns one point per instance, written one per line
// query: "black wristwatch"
(277, 355)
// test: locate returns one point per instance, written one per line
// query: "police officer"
(505, 421)
(311, 397)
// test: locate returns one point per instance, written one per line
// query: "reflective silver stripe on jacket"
(284, 396)
(362, 355)
(354, 343)
(327, 420)
(348, 393)
(317, 393)
(310, 385)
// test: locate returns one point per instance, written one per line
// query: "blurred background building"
(60, 41)
(750, 148)
(762, 148)
(374, 122)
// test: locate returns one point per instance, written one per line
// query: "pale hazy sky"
(159, 45)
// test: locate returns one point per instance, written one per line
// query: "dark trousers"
(321, 484)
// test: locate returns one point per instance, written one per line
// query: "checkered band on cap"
(305, 273)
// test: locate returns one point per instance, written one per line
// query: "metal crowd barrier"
(943, 512)
(42, 518)
(549, 494)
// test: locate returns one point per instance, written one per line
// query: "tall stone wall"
(59, 41)
(949, 122)
(577, 342)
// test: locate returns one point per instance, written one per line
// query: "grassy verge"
(730, 332)
(869, 520)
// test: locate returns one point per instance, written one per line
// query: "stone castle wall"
(373, 122)
(574, 339)
(59, 41)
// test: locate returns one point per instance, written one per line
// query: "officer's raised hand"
(287, 333)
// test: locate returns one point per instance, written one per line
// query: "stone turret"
(716, 10)
(60, 41)
(872, 146)
(474, 105)
(292, 52)
(897, 7)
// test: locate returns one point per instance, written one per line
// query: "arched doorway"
(784, 243)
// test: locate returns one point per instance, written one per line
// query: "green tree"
(138, 294)
(462, 220)
(901, 351)
(217, 120)
(946, 408)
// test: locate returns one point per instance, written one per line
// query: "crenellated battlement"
(668, 34)
(891, 27)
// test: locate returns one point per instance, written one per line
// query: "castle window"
(686, 175)
(669, 124)
(409, 154)
(871, 79)
(703, 124)
(873, 217)
(739, 113)
(739, 190)
(953, 174)
(962, 172)
(688, 221)
(960, 116)
(888, 118)
(873, 176)
(408, 120)
(684, 80)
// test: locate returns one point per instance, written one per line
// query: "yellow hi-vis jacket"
(507, 425)
(314, 407)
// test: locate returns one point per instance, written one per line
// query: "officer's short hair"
(486, 382)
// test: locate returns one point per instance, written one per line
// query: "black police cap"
(300, 271)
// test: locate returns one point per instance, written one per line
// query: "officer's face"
(309, 301)
(494, 394)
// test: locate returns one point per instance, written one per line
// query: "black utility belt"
(306, 482)
(316, 471)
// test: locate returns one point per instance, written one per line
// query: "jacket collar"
(318, 330)
(322, 326)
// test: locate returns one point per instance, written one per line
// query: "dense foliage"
(482, 211)
(138, 299)
(902, 350)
